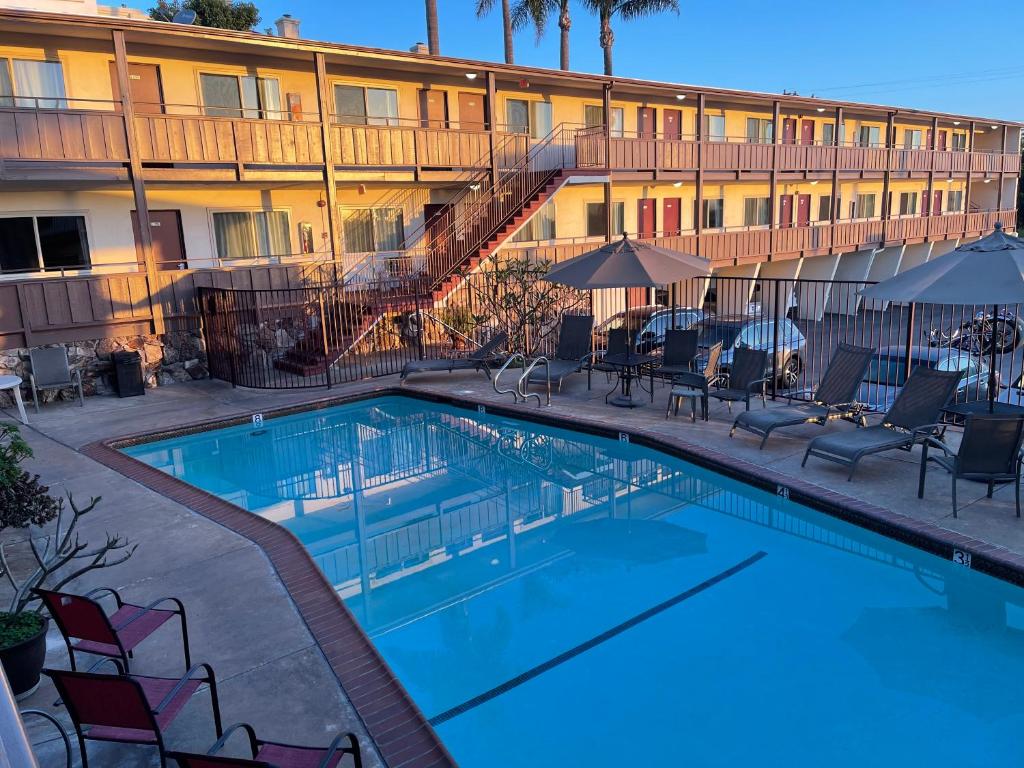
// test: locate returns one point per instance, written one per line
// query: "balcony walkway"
(272, 672)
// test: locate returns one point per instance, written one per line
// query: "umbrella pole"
(672, 289)
(992, 378)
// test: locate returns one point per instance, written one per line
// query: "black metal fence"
(325, 335)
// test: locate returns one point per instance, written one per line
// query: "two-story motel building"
(139, 159)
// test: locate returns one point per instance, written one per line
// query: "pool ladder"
(519, 391)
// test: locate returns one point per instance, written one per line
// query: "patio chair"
(678, 353)
(129, 709)
(479, 359)
(272, 754)
(87, 628)
(618, 344)
(696, 386)
(51, 370)
(745, 379)
(990, 452)
(912, 418)
(834, 398)
(574, 350)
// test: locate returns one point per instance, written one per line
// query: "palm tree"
(483, 7)
(538, 11)
(627, 10)
(433, 41)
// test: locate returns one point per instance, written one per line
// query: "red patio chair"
(86, 626)
(129, 709)
(272, 754)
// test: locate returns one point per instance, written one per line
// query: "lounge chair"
(272, 753)
(678, 354)
(696, 386)
(745, 378)
(87, 628)
(913, 418)
(618, 344)
(575, 344)
(834, 397)
(480, 359)
(51, 370)
(132, 709)
(989, 452)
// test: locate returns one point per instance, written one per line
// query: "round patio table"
(628, 366)
(13, 383)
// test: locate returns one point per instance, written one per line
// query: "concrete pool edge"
(393, 721)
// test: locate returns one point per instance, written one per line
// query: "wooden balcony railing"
(62, 135)
(227, 140)
(403, 146)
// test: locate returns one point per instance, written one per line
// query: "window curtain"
(221, 97)
(349, 105)
(272, 237)
(6, 88)
(270, 99)
(517, 116)
(541, 121)
(233, 234)
(382, 106)
(39, 83)
(388, 229)
(357, 228)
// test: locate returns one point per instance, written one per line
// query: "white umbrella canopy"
(987, 271)
(628, 264)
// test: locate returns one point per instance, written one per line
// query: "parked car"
(756, 333)
(888, 371)
(652, 322)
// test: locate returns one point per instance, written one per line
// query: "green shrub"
(24, 500)
(18, 627)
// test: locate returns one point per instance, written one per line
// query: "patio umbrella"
(987, 271)
(628, 264)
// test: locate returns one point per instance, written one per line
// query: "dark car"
(652, 321)
(888, 371)
(756, 333)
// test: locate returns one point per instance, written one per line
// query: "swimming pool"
(554, 598)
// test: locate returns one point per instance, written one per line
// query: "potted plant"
(60, 557)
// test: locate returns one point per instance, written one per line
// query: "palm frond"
(636, 9)
(483, 7)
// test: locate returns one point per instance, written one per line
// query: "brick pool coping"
(398, 728)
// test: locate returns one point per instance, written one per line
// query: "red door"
(937, 203)
(785, 211)
(673, 124)
(941, 145)
(671, 212)
(807, 132)
(803, 210)
(789, 130)
(167, 238)
(645, 218)
(645, 122)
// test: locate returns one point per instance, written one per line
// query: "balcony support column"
(1002, 174)
(606, 110)
(933, 146)
(330, 185)
(833, 206)
(492, 126)
(138, 185)
(890, 141)
(970, 174)
(698, 200)
(773, 182)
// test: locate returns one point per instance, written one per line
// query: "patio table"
(13, 383)
(628, 366)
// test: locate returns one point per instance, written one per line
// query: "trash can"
(128, 374)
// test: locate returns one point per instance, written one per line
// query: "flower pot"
(22, 662)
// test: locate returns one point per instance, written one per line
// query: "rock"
(106, 347)
(197, 370)
(164, 379)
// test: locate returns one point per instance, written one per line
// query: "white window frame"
(342, 208)
(281, 113)
(617, 131)
(8, 60)
(251, 209)
(586, 216)
(34, 215)
(367, 118)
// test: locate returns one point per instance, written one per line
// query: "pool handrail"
(523, 382)
(494, 382)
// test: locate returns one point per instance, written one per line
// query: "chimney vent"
(287, 27)
(419, 48)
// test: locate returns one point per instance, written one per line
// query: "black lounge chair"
(745, 379)
(678, 354)
(618, 344)
(696, 386)
(573, 352)
(834, 398)
(480, 359)
(912, 419)
(989, 453)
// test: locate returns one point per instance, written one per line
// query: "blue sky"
(938, 56)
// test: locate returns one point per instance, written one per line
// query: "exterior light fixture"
(814, 183)
(475, 186)
(821, 109)
(677, 184)
(988, 181)
(681, 96)
(956, 122)
(993, 127)
(471, 75)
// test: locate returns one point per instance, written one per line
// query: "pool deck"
(257, 634)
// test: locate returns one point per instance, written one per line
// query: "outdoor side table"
(13, 383)
(629, 366)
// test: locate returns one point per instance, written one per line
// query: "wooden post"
(932, 147)
(1002, 177)
(327, 142)
(698, 200)
(834, 200)
(138, 185)
(773, 182)
(606, 110)
(890, 140)
(492, 125)
(970, 173)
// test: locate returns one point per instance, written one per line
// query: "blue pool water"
(550, 598)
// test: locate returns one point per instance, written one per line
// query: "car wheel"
(790, 374)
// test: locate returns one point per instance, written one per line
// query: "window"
(714, 213)
(241, 96)
(356, 105)
(825, 208)
(714, 127)
(33, 84)
(959, 142)
(532, 117)
(541, 226)
(759, 130)
(35, 243)
(828, 134)
(908, 203)
(596, 224)
(372, 229)
(869, 136)
(865, 206)
(251, 234)
(755, 211)
(593, 116)
(912, 139)
(955, 200)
